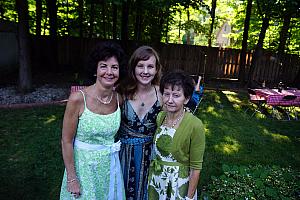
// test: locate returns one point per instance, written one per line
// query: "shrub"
(254, 182)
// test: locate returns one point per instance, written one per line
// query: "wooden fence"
(214, 62)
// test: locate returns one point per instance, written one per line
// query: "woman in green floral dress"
(91, 120)
(179, 143)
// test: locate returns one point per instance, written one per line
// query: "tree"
(25, 79)
(266, 10)
(212, 14)
(39, 11)
(124, 23)
(244, 43)
(80, 17)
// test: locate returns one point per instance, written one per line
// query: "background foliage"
(165, 21)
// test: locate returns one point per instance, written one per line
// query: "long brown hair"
(129, 86)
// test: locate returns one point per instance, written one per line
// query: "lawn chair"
(255, 100)
(290, 108)
(195, 100)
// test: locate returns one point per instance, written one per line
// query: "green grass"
(31, 161)
(233, 137)
(32, 165)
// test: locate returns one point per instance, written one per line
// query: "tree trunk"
(296, 82)
(52, 9)
(104, 20)
(258, 49)
(68, 20)
(124, 24)
(282, 42)
(80, 15)
(115, 15)
(25, 79)
(92, 18)
(167, 28)
(213, 16)
(283, 35)
(244, 43)
(138, 21)
(39, 11)
(188, 41)
(179, 25)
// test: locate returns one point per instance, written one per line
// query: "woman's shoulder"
(75, 97)
(193, 120)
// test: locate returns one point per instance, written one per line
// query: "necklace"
(102, 101)
(176, 120)
(105, 102)
(142, 104)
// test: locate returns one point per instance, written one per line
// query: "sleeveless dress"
(171, 180)
(136, 137)
(96, 157)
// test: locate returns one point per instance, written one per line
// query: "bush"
(254, 182)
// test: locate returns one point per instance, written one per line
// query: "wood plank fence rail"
(214, 62)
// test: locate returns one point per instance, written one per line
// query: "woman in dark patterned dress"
(142, 103)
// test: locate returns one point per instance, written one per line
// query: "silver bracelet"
(72, 180)
(187, 198)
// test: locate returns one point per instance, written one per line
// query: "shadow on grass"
(236, 138)
(32, 165)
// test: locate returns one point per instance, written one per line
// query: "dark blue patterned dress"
(136, 136)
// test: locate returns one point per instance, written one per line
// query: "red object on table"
(76, 88)
(276, 98)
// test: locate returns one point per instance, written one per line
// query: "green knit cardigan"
(189, 140)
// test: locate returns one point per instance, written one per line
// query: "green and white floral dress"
(169, 179)
(177, 151)
(96, 157)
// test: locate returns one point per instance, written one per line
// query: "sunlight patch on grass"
(281, 138)
(232, 97)
(212, 110)
(229, 92)
(230, 146)
(50, 119)
(276, 136)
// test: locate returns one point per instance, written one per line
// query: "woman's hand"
(73, 187)
(194, 178)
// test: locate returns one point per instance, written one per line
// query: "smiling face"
(173, 98)
(108, 72)
(145, 71)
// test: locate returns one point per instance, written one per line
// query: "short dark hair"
(102, 52)
(177, 78)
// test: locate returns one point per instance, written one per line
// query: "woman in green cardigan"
(179, 143)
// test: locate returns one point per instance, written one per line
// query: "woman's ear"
(186, 100)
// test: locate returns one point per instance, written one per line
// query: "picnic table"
(289, 98)
(274, 97)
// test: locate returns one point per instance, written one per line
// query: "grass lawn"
(32, 165)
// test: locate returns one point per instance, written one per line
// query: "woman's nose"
(170, 99)
(145, 70)
(109, 70)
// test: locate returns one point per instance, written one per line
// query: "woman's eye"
(150, 66)
(140, 66)
(102, 66)
(115, 67)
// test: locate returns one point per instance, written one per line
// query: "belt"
(115, 167)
